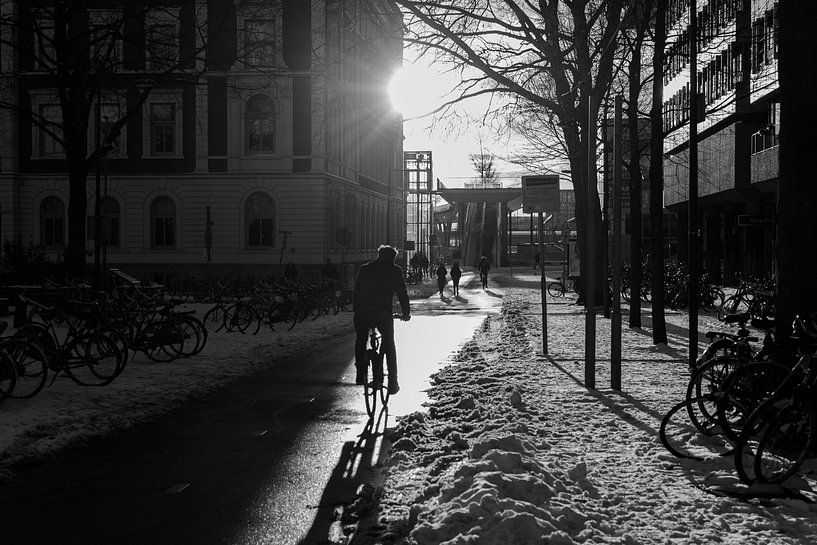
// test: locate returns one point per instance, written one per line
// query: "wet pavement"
(266, 460)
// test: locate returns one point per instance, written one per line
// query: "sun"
(416, 90)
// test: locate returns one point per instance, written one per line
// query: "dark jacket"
(376, 284)
(456, 272)
(484, 266)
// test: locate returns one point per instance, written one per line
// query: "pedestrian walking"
(484, 267)
(424, 263)
(291, 273)
(537, 262)
(330, 275)
(415, 265)
(456, 273)
(442, 272)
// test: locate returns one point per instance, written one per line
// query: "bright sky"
(416, 90)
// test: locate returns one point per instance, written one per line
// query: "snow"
(512, 448)
(66, 414)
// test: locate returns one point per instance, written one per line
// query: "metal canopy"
(491, 195)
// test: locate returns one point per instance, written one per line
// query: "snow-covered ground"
(515, 450)
(66, 414)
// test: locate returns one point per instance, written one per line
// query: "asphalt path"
(268, 459)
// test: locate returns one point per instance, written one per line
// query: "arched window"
(260, 118)
(52, 222)
(260, 220)
(109, 207)
(163, 223)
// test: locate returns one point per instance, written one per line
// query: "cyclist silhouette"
(375, 286)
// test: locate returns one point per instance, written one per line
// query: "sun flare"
(415, 90)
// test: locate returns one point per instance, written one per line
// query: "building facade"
(738, 96)
(240, 135)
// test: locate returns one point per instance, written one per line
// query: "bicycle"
(559, 287)
(72, 353)
(378, 387)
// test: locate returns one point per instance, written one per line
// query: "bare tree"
(554, 55)
(102, 60)
(656, 175)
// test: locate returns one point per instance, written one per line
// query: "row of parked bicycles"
(273, 304)
(90, 340)
(751, 396)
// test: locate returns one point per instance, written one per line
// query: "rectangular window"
(110, 115)
(164, 232)
(262, 232)
(163, 128)
(163, 46)
(769, 38)
(50, 120)
(53, 231)
(259, 42)
(45, 52)
(105, 36)
(758, 46)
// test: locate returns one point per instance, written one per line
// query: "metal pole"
(615, 310)
(692, 240)
(590, 250)
(106, 227)
(543, 287)
(98, 189)
(510, 232)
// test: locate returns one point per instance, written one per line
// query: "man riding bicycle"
(376, 284)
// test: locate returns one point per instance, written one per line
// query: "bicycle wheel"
(162, 340)
(743, 391)
(717, 349)
(215, 317)
(734, 304)
(786, 442)
(92, 359)
(240, 317)
(8, 375)
(194, 333)
(751, 434)
(31, 367)
(556, 289)
(384, 377)
(682, 436)
(704, 385)
(370, 389)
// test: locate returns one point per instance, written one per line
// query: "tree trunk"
(634, 126)
(659, 325)
(796, 290)
(77, 212)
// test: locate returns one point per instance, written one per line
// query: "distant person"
(424, 265)
(291, 273)
(330, 275)
(456, 274)
(537, 262)
(484, 267)
(415, 265)
(375, 286)
(442, 272)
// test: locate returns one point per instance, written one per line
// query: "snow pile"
(514, 449)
